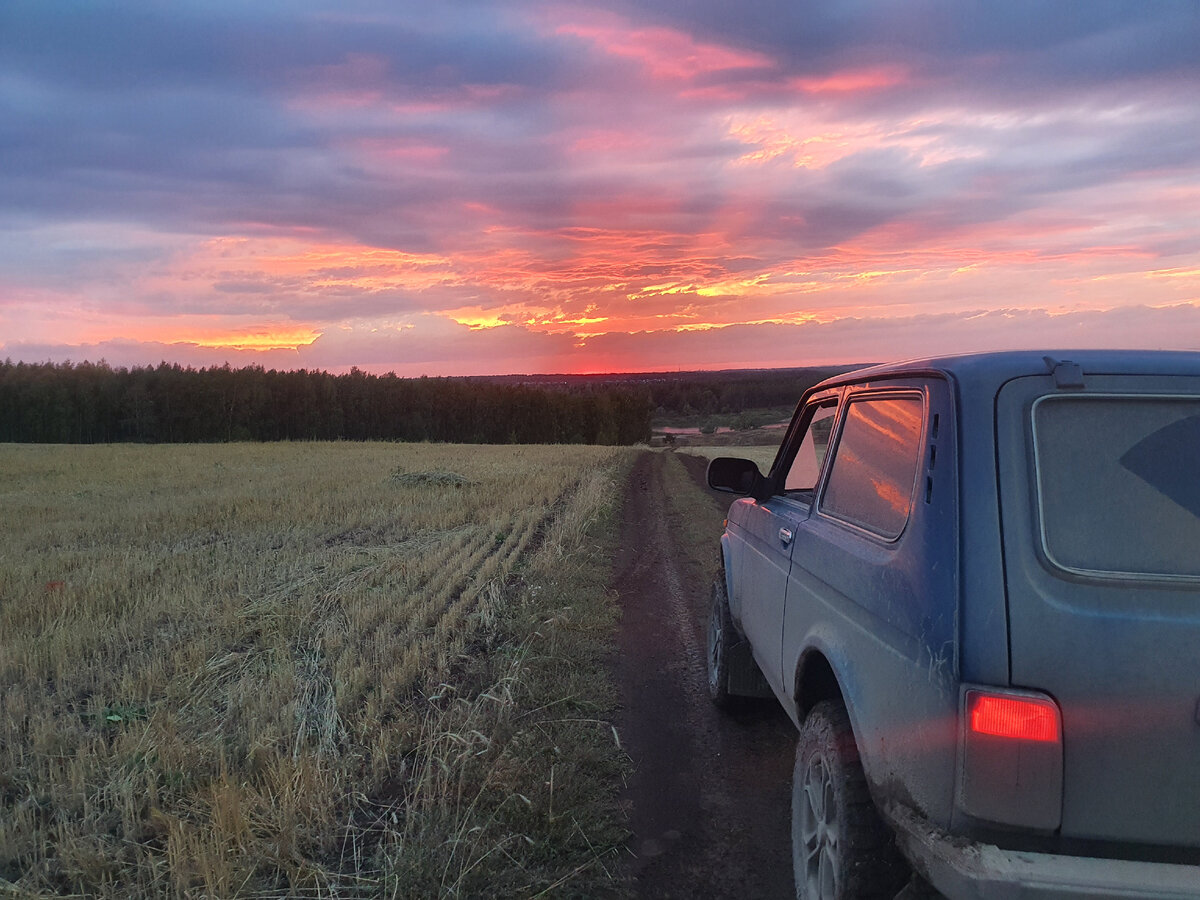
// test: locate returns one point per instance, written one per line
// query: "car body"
(991, 564)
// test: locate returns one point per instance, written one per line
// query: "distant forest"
(87, 403)
(707, 393)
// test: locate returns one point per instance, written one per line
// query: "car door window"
(805, 469)
(874, 468)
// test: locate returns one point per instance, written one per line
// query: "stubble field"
(306, 670)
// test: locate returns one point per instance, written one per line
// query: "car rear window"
(874, 468)
(1118, 484)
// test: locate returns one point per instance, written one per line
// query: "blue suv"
(974, 585)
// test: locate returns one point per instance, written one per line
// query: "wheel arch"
(725, 570)
(821, 674)
(814, 681)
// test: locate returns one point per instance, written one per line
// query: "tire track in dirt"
(708, 799)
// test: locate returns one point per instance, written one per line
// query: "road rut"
(708, 798)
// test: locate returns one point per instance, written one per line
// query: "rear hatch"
(1100, 496)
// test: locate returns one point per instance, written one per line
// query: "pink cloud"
(852, 80)
(406, 150)
(663, 53)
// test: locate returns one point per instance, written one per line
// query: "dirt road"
(709, 795)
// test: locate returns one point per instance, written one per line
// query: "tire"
(841, 849)
(721, 640)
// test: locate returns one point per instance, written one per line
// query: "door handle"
(785, 535)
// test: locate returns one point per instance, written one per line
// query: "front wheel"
(840, 847)
(721, 639)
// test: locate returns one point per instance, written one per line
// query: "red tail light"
(1022, 718)
(1011, 769)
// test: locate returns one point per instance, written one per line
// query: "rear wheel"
(840, 847)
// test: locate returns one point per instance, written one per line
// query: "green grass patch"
(698, 521)
(763, 456)
(741, 420)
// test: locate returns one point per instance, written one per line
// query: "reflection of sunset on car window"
(874, 466)
(890, 494)
(893, 422)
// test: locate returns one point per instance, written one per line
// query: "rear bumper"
(963, 869)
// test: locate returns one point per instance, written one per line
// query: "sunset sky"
(452, 188)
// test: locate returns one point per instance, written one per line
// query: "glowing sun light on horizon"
(275, 339)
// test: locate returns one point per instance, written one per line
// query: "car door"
(872, 582)
(770, 527)
(858, 558)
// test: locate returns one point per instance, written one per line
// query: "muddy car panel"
(1117, 596)
(868, 598)
(982, 588)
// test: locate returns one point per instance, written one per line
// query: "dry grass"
(304, 670)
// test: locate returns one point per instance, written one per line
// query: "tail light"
(1018, 717)
(1011, 768)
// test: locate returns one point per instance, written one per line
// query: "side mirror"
(736, 476)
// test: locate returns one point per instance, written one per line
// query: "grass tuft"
(427, 479)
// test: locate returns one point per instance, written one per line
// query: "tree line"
(731, 392)
(95, 403)
(703, 393)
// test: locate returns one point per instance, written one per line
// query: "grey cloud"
(289, 303)
(1021, 46)
(127, 354)
(140, 46)
(243, 287)
(196, 148)
(175, 115)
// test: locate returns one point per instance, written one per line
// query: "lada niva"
(974, 585)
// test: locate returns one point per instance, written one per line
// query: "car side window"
(874, 468)
(805, 470)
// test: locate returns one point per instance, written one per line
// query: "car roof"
(996, 367)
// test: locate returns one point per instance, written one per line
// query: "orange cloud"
(313, 266)
(812, 142)
(205, 331)
(808, 151)
(641, 260)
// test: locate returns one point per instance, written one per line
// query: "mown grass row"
(306, 670)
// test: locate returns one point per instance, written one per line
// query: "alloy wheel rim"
(819, 832)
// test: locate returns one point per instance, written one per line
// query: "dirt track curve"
(709, 794)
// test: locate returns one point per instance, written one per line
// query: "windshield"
(1117, 484)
